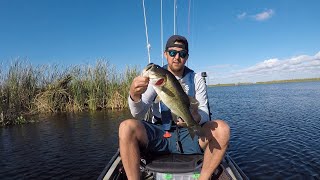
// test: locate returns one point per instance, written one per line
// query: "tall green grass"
(26, 90)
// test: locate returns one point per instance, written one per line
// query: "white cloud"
(264, 15)
(302, 66)
(242, 15)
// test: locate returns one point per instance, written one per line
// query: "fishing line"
(146, 29)
(161, 27)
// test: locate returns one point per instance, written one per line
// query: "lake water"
(275, 135)
(275, 128)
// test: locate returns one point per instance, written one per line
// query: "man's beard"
(176, 69)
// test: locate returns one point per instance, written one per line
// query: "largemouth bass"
(171, 93)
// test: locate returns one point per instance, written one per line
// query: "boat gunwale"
(108, 166)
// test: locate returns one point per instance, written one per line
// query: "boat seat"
(175, 163)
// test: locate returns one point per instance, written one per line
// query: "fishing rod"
(204, 75)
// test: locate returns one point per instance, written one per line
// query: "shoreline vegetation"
(268, 82)
(26, 90)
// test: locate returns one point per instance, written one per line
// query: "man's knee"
(128, 127)
(222, 132)
(132, 129)
(223, 127)
(219, 129)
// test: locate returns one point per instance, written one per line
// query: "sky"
(232, 40)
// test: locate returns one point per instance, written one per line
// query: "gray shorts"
(160, 145)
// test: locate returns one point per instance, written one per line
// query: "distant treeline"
(270, 82)
(26, 90)
(290, 80)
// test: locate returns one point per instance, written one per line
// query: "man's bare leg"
(131, 134)
(215, 145)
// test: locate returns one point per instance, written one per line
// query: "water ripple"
(275, 128)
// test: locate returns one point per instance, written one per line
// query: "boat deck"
(174, 167)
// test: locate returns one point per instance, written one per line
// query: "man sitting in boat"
(138, 136)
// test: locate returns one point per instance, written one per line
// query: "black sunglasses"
(182, 54)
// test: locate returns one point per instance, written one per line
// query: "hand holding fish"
(138, 86)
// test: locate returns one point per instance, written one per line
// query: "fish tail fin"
(196, 130)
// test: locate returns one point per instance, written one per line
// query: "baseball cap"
(177, 38)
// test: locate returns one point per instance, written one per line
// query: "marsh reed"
(26, 90)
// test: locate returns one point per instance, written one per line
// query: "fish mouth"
(146, 70)
(158, 81)
(155, 78)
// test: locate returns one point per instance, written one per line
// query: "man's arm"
(199, 112)
(201, 96)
